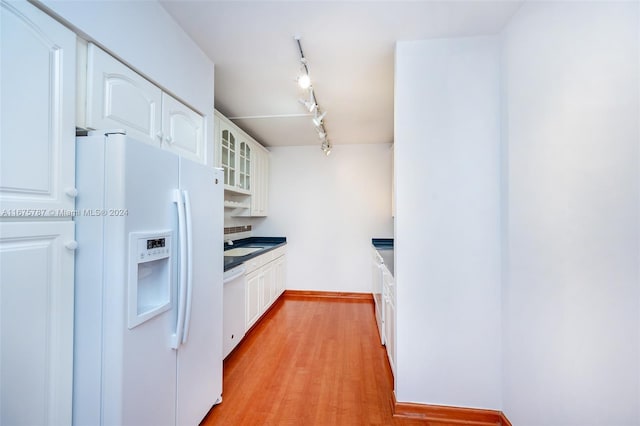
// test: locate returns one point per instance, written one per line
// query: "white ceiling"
(349, 46)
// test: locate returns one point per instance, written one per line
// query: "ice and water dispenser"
(149, 275)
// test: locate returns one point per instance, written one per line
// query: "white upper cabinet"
(120, 98)
(235, 156)
(37, 95)
(244, 165)
(183, 129)
(260, 173)
(228, 153)
(246, 169)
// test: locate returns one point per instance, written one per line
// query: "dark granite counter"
(385, 249)
(264, 243)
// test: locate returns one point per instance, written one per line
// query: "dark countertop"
(385, 249)
(266, 243)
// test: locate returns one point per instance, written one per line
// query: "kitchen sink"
(241, 251)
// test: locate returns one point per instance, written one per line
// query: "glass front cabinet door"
(229, 157)
(244, 166)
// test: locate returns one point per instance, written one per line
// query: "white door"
(37, 124)
(36, 323)
(183, 130)
(120, 98)
(199, 378)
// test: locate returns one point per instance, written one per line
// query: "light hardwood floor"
(309, 362)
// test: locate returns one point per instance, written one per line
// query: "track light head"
(326, 147)
(310, 105)
(317, 120)
(304, 81)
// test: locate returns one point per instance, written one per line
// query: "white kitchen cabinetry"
(265, 282)
(253, 310)
(37, 128)
(260, 173)
(228, 144)
(245, 157)
(280, 275)
(246, 169)
(182, 129)
(37, 179)
(389, 298)
(36, 326)
(119, 98)
(268, 286)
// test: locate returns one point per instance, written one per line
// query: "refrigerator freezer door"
(124, 186)
(199, 380)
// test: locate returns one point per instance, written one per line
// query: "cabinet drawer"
(280, 251)
(255, 263)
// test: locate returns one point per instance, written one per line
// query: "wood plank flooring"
(309, 362)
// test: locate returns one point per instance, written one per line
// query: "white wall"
(329, 208)
(571, 294)
(447, 152)
(145, 36)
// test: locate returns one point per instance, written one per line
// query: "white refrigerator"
(148, 285)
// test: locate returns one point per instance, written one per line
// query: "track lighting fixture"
(304, 81)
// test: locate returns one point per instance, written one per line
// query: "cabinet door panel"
(37, 95)
(267, 286)
(389, 317)
(36, 323)
(183, 129)
(119, 98)
(260, 176)
(281, 275)
(253, 297)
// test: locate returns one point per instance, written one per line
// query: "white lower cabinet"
(280, 266)
(253, 295)
(265, 282)
(268, 286)
(389, 302)
(36, 322)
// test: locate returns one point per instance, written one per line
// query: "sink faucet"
(229, 241)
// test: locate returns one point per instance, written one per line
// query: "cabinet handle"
(71, 245)
(159, 135)
(169, 139)
(71, 192)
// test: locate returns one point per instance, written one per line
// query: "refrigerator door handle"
(176, 338)
(187, 316)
